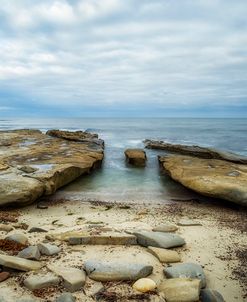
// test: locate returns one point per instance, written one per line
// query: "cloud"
(80, 54)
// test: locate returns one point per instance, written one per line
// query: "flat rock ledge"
(136, 157)
(33, 164)
(197, 151)
(209, 177)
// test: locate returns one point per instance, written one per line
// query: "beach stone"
(27, 169)
(197, 174)
(144, 285)
(110, 239)
(19, 238)
(48, 249)
(158, 239)
(188, 222)
(180, 289)
(209, 295)
(66, 297)
(74, 278)
(94, 289)
(165, 228)
(4, 276)
(136, 157)
(189, 270)
(19, 263)
(116, 271)
(31, 252)
(41, 281)
(5, 227)
(164, 255)
(37, 230)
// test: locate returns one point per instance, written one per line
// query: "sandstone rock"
(188, 222)
(4, 276)
(209, 295)
(164, 255)
(66, 297)
(19, 238)
(31, 252)
(165, 228)
(106, 239)
(209, 177)
(5, 227)
(116, 271)
(74, 278)
(40, 281)
(144, 285)
(48, 249)
(136, 157)
(197, 151)
(36, 230)
(188, 270)
(19, 263)
(158, 239)
(52, 163)
(181, 289)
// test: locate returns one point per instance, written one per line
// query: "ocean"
(117, 182)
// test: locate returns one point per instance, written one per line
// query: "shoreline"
(218, 244)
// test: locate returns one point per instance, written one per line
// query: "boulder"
(19, 263)
(197, 151)
(188, 270)
(136, 157)
(41, 281)
(166, 228)
(164, 255)
(180, 289)
(31, 252)
(19, 238)
(74, 278)
(158, 239)
(48, 249)
(36, 164)
(66, 297)
(116, 271)
(209, 295)
(144, 285)
(209, 177)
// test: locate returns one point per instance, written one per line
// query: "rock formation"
(136, 157)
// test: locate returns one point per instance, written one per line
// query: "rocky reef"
(33, 164)
(210, 177)
(136, 157)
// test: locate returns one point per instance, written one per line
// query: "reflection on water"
(116, 180)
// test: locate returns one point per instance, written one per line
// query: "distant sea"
(117, 182)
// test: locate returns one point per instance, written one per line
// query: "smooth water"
(116, 181)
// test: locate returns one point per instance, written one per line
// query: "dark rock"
(4, 276)
(209, 295)
(37, 230)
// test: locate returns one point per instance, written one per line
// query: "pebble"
(144, 285)
(188, 222)
(94, 289)
(48, 249)
(164, 255)
(189, 270)
(37, 230)
(165, 228)
(41, 281)
(66, 297)
(31, 252)
(19, 238)
(4, 276)
(19, 263)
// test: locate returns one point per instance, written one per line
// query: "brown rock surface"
(55, 162)
(136, 157)
(209, 177)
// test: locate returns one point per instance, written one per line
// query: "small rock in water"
(158, 239)
(66, 297)
(180, 289)
(19, 238)
(4, 276)
(116, 271)
(144, 285)
(6, 227)
(40, 281)
(37, 230)
(209, 295)
(48, 249)
(165, 228)
(164, 255)
(188, 222)
(31, 252)
(189, 270)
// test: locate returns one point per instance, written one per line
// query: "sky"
(123, 58)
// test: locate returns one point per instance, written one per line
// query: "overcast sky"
(123, 58)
